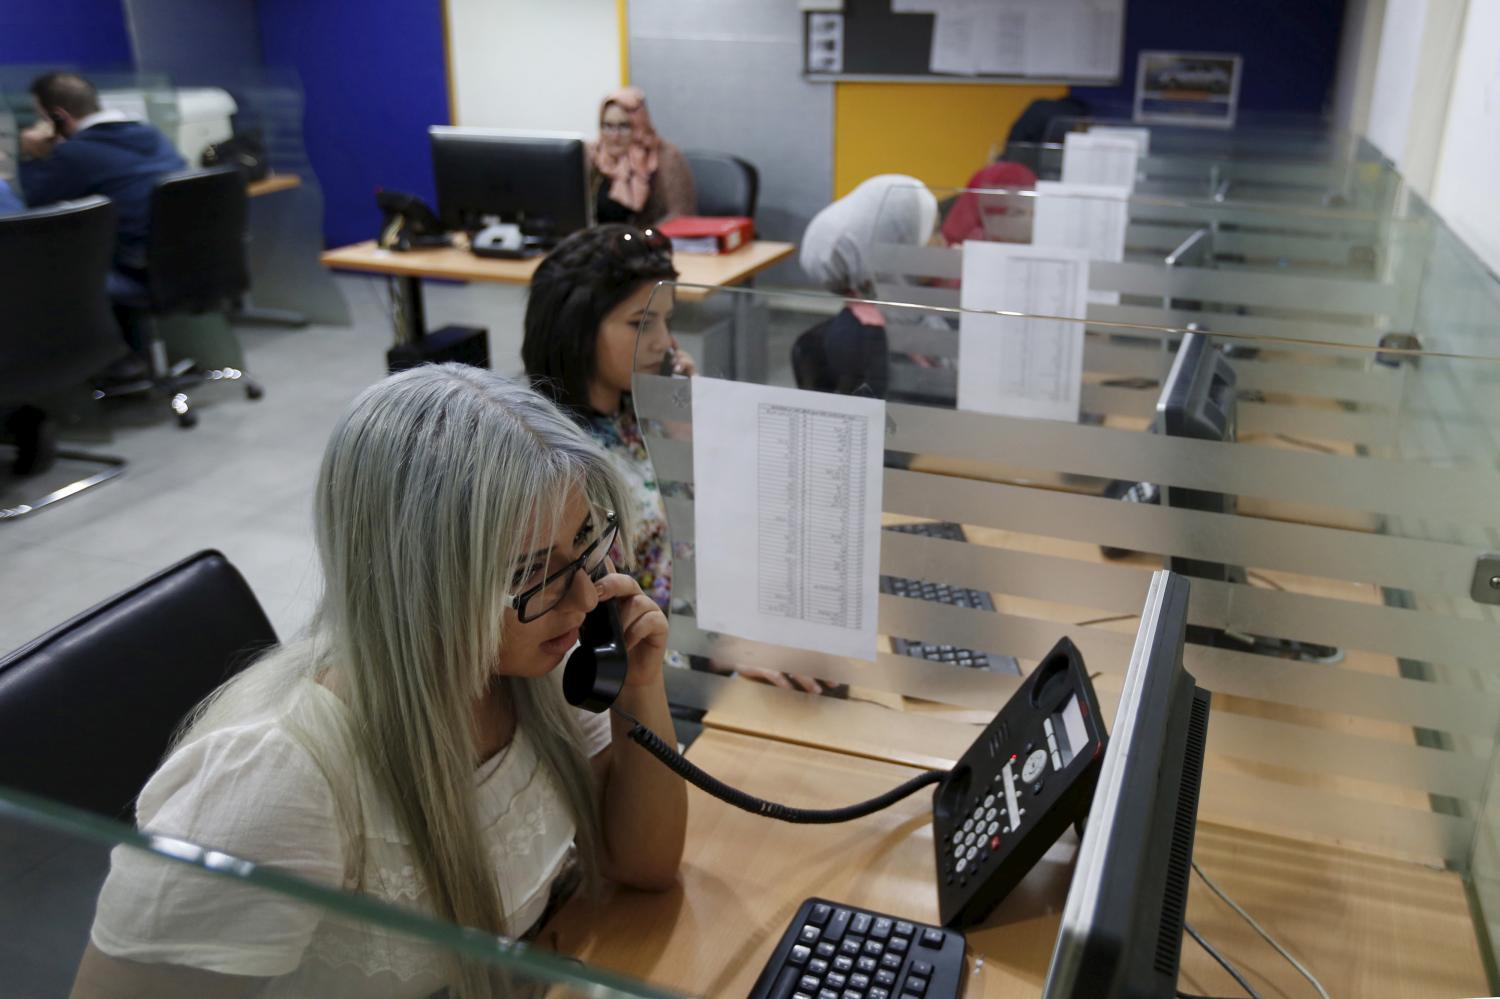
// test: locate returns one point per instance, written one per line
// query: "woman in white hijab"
(848, 354)
(838, 247)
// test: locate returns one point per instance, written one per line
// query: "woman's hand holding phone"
(643, 625)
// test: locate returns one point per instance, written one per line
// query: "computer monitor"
(1121, 933)
(535, 180)
(1198, 401)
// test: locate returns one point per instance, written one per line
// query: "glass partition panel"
(90, 908)
(1305, 274)
(1332, 564)
(1291, 168)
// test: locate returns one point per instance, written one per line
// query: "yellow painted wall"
(939, 133)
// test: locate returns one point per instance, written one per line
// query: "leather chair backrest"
(726, 185)
(56, 327)
(87, 710)
(195, 258)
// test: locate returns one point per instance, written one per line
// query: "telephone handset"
(595, 672)
(408, 224)
(1029, 775)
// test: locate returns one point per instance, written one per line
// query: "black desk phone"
(1029, 775)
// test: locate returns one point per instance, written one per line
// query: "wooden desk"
(456, 263)
(272, 183)
(1363, 925)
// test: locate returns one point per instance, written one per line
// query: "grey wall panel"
(726, 75)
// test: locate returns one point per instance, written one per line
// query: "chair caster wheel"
(253, 391)
(187, 420)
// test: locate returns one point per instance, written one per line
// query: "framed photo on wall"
(1187, 88)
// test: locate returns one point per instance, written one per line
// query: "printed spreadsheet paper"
(787, 500)
(1021, 365)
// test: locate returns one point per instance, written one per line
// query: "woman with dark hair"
(638, 177)
(589, 300)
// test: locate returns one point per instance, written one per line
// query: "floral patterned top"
(651, 562)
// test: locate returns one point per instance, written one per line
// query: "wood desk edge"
(419, 263)
(272, 183)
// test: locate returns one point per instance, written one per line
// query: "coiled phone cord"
(654, 744)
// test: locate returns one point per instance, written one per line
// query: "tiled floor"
(241, 481)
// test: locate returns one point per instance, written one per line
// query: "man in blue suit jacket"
(76, 149)
(90, 151)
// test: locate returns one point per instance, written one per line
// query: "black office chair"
(87, 710)
(726, 185)
(195, 262)
(56, 329)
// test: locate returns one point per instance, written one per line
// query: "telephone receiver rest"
(595, 671)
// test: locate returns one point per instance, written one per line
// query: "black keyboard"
(956, 596)
(832, 951)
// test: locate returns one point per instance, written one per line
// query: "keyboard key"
(853, 994)
(877, 993)
(806, 983)
(801, 995)
(886, 977)
(827, 994)
(817, 966)
(891, 961)
(825, 949)
(809, 935)
(866, 965)
(921, 968)
(904, 929)
(836, 980)
(874, 948)
(820, 913)
(784, 983)
(843, 963)
(859, 981)
(799, 955)
(882, 929)
(860, 923)
(851, 947)
(898, 944)
(916, 985)
(932, 938)
(835, 929)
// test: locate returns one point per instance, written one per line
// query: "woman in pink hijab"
(1004, 217)
(638, 177)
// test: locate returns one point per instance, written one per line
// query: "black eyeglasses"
(532, 603)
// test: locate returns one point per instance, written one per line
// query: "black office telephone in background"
(1029, 775)
(408, 223)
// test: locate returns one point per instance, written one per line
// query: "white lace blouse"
(254, 791)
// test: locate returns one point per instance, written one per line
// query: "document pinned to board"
(1022, 366)
(787, 501)
(1100, 159)
(1089, 217)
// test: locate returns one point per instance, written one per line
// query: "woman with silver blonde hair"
(414, 743)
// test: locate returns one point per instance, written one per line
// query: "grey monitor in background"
(1121, 932)
(537, 180)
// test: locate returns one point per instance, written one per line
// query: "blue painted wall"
(1290, 48)
(87, 34)
(374, 78)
